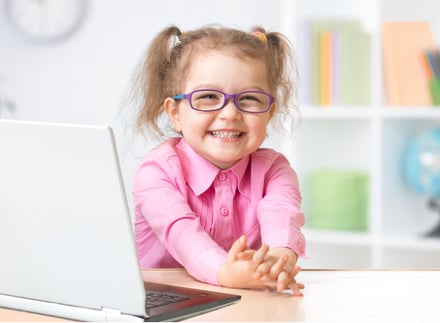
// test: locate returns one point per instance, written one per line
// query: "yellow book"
(325, 68)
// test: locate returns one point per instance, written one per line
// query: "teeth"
(226, 134)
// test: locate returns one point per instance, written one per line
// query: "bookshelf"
(367, 137)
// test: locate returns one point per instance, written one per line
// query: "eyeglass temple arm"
(179, 97)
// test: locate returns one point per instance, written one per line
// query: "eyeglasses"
(211, 100)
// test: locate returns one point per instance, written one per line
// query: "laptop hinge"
(111, 311)
(114, 315)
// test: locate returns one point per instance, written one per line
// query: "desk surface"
(330, 295)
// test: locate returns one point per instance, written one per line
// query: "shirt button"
(222, 177)
(224, 211)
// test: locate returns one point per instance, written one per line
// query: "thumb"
(238, 246)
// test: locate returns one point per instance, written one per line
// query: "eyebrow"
(215, 87)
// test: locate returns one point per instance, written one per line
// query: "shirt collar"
(199, 172)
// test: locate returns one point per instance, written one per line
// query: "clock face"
(46, 20)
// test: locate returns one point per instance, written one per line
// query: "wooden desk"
(338, 295)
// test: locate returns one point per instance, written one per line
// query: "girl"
(209, 198)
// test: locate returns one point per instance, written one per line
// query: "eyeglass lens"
(250, 101)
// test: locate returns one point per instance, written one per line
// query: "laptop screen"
(62, 236)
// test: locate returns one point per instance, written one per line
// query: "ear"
(272, 111)
(171, 107)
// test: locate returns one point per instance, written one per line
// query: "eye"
(251, 97)
(207, 96)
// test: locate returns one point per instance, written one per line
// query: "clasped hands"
(264, 268)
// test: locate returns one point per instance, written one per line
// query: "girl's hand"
(286, 281)
(240, 268)
(279, 265)
(286, 270)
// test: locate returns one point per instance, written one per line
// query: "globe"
(422, 163)
(422, 168)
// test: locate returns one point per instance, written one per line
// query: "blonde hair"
(170, 55)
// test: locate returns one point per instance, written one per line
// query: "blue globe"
(422, 163)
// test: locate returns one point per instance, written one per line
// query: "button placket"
(223, 225)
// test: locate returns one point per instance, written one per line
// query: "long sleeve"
(279, 211)
(161, 199)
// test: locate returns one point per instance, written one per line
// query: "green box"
(338, 200)
(434, 89)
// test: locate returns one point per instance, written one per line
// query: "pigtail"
(153, 80)
(284, 74)
(286, 71)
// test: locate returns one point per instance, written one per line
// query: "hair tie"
(178, 38)
(260, 35)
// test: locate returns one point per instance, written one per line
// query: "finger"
(246, 254)
(293, 285)
(283, 280)
(296, 270)
(238, 246)
(260, 254)
(279, 266)
(263, 269)
(296, 288)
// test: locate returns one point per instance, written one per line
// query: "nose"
(230, 110)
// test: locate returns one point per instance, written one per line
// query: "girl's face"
(224, 136)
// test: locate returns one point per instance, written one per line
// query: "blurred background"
(360, 179)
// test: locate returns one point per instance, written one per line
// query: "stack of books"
(410, 64)
(335, 65)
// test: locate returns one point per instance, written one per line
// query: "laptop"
(66, 235)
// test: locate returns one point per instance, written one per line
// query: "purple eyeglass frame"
(227, 96)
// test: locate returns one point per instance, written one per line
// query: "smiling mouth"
(227, 134)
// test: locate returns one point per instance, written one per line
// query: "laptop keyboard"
(155, 299)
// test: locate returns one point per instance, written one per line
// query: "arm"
(160, 197)
(280, 216)
(279, 211)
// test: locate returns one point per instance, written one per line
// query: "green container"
(338, 200)
(434, 89)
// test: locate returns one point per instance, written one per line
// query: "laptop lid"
(66, 238)
(65, 228)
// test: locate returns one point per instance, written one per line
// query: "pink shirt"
(188, 212)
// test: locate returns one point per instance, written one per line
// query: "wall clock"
(46, 20)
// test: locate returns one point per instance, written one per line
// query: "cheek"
(260, 124)
(194, 122)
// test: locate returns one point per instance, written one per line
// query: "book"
(404, 42)
(325, 75)
(341, 62)
(355, 68)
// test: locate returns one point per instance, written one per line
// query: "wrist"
(280, 251)
(222, 276)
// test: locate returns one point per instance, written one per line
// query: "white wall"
(85, 78)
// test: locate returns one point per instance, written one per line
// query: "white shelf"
(331, 237)
(410, 113)
(353, 238)
(366, 113)
(339, 113)
(412, 243)
(372, 139)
